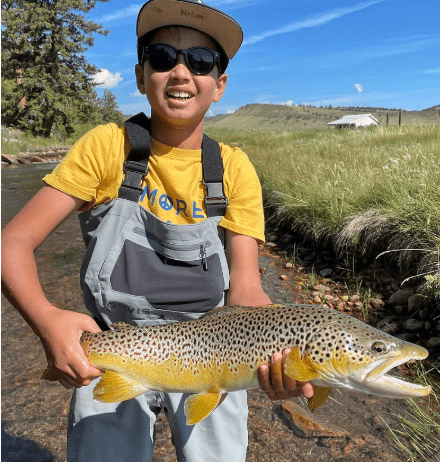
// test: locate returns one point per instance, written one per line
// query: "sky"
(374, 53)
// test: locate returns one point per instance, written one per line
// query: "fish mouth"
(378, 381)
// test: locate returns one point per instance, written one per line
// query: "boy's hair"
(223, 29)
(146, 39)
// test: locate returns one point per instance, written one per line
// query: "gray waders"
(144, 271)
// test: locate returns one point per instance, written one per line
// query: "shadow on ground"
(21, 449)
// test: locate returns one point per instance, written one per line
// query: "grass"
(17, 143)
(365, 192)
(418, 431)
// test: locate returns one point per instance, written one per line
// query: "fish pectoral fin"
(199, 406)
(113, 388)
(297, 369)
(319, 397)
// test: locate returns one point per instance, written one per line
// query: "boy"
(183, 47)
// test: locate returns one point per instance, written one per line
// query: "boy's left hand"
(276, 384)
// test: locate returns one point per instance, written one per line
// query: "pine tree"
(43, 45)
(109, 108)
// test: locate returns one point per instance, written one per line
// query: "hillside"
(270, 117)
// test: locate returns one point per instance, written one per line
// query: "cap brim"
(221, 27)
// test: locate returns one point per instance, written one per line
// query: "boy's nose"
(180, 70)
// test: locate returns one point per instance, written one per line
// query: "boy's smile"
(179, 97)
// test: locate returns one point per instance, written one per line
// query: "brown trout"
(221, 352)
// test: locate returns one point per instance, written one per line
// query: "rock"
(326, 273)
(413, 324)
(390, 328)
(9, 159)
(23, 161)
(414, 302)
(307, 423)
(377, 303)
(398, 309)
(401, 296)
(406, 336)
(433, 342)
(36, 159)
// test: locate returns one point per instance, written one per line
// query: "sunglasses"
(162, 58)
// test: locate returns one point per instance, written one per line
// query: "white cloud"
(288, 103)
(311, 21)
(127, 12)
(432, 71)
(105, 79)
(230, 111)
(137, 94)
(359, 87)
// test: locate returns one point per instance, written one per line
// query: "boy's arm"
(246, 290)
(59, 330)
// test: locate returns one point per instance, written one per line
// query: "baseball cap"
(191, 13)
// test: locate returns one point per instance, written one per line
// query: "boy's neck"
(184, 135)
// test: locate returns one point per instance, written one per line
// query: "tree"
(109, 108)
(43, 45)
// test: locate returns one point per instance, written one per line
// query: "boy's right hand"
(60, 332)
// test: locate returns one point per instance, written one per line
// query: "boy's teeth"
(179, 94)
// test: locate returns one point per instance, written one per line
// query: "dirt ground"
(349, 427)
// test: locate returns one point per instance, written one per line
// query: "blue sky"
(380, 53)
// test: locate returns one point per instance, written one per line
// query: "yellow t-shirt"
(173, 188)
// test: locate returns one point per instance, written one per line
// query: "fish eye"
(378, 347)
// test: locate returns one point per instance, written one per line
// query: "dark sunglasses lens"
(200, 60)
(161, 57)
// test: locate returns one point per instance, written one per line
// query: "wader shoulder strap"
(212, 165)
(136, 165)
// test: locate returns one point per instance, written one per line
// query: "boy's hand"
(60, 333)
(276, 384)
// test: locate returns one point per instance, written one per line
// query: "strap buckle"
(214, 194)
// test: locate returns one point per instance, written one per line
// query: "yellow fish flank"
(221, 352)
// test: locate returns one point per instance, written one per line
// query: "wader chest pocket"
(183, 275)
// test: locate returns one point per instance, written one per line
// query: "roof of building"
(352, 119)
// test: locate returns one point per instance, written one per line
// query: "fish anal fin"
(199, 406)
(319, 397)
(297, 369)
(113, 388)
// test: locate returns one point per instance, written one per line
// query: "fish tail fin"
(49, 374)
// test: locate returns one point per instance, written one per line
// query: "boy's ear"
(220, 88)
(139, 71)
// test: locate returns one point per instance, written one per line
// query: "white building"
(355, 121)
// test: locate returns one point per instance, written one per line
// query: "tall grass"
(366, 191)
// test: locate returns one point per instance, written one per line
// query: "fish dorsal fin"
(113, 388)
(120, 325)
(199, 406)
(297, 369)
(224, 310)
(319, 397)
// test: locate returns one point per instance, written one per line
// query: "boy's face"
(179, 95)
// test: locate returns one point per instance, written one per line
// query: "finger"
(264, 381)
(289, 383)
(307, 389)
(276, 375)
